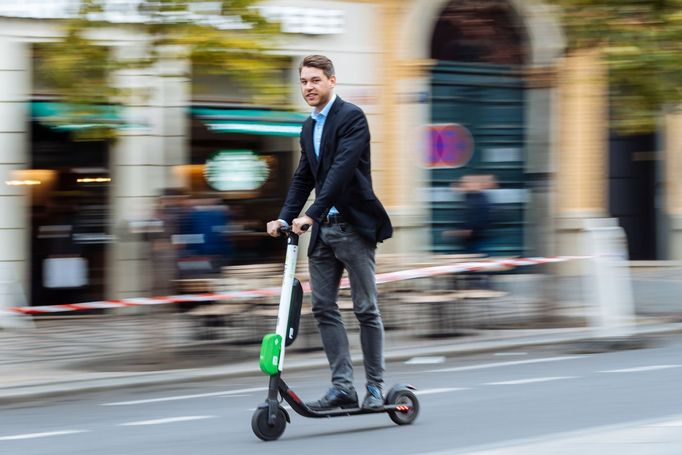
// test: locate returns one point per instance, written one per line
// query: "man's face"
(316, 87)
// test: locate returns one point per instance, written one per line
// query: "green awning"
(251, 121)
(72, 117)
(69, 117)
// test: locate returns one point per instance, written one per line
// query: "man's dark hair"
(318, 61)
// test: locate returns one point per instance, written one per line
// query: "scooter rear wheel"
(261, 428)
(408, 399)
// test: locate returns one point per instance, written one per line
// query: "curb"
(31, 392)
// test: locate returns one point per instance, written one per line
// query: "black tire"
(259, 424)
(408, 398)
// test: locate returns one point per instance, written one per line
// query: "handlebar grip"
(286, 230)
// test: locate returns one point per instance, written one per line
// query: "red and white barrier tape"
(425, 272)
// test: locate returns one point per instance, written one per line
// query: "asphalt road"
(469, 404)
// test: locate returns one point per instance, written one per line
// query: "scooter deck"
(300, 407)
(334, 412)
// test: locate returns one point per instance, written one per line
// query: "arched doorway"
(477, 86)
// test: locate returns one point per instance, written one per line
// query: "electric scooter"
(270, 418)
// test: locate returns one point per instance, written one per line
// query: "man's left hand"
(298, 223)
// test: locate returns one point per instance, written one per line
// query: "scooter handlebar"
(286, 230)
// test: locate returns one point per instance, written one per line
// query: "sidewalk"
(31, 376)
(138, 346)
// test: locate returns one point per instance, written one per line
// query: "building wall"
(409, 46)
(14, 88)
(381, 53)
(141, 161)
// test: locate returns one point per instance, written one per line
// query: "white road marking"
(510, 354)
(670, 423)
(530, 380)
(167, 420)
(505, 364)
(425, 360)
(638, 369)
(442, 390)
(238, 392)
(40, 435)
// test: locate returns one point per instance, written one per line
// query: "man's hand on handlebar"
(273, 228)
(301, 224)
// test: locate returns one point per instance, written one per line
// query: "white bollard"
(609, 298)
(11, 295)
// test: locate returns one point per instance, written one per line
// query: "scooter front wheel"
(265, 431)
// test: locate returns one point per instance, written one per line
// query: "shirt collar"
(324, 112)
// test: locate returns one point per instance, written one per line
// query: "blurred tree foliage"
(232, 39)
(642, 44)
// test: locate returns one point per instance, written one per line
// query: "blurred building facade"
(443, 97)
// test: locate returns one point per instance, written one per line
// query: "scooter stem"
(285, 295)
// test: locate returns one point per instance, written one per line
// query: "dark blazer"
(341, 176)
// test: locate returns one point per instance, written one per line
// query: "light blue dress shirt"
(320, 118)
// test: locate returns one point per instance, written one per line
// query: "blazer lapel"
(308, 146)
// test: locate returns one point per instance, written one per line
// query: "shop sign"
(451, 145)
(236, 170)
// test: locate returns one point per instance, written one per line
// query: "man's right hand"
(273, 228)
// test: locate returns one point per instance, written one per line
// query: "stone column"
(15, 83)
(673, 185)
(404, 108)
(387, 178)
(538, 233)
(411, 214)
(170, 102)
(582, 147)
(142, 161)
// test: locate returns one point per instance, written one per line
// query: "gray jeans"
(339, 247)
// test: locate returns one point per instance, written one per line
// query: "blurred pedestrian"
(204, 231)
(163, 233)
(476, 215)
(347, 222)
